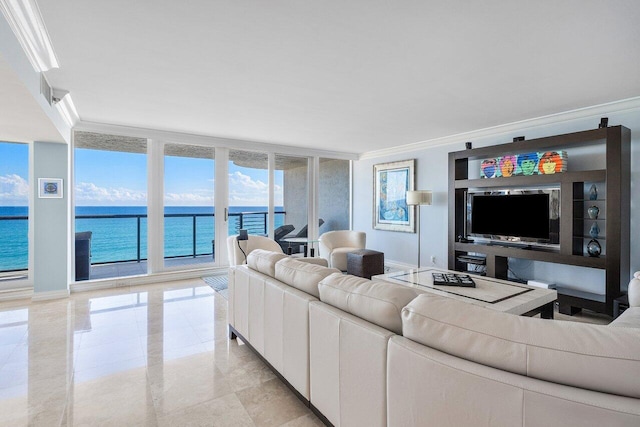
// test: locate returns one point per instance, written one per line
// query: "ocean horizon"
(116, 239)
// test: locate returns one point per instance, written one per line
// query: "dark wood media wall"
(616, 178)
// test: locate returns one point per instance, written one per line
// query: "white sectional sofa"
(363, 353)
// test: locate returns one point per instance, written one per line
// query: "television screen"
(526, 217)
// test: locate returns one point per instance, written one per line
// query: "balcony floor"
(134, 268)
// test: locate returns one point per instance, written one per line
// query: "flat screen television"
(529, 217)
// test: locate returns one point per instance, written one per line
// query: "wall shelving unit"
(574, 200)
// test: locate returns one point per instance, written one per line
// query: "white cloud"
(199, 197)
(14, 190)
(89, 194)
(245, 191)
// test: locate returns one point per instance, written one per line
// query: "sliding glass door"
(110, 194)
(248, 192)
(188, 205)
(291, 195)
(14, 214)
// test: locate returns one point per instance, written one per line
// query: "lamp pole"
(419, 198)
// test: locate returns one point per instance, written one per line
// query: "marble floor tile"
(271, 403)
(137, 356)
(226, 411)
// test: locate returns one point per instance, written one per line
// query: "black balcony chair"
(295, 247)
(83, 255)
(279, 234)
(303, 230)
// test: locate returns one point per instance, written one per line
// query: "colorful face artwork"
(507, 165)
(550, 162)
(524, 164)
(488, 168)
(527, 164)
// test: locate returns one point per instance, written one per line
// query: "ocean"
(116, 238)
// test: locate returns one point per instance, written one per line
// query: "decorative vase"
(593, 212)
(593, 248)
(594, 231)
(593, 192)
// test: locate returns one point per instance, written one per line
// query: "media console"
(614, 220)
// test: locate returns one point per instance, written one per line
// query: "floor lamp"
(418, 198)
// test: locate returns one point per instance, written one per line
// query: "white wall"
(432, 174)
(50, 221)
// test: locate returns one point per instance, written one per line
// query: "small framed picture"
(50, 188)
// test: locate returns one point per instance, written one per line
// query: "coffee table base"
(545, 311)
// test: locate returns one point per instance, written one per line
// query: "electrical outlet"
(433, 259)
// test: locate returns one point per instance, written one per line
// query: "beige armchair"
(236, 257)
(334, 246)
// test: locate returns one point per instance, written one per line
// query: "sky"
(14, 166)
(106, 178)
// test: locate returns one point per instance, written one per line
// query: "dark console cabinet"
(615, 178)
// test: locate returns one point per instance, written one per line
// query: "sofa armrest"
(630, 318)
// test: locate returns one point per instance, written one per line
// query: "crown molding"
(27, 24)
(67, 110)
(211, 141)
(581, 113)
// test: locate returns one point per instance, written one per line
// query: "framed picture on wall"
(50, 188)
(391, 181)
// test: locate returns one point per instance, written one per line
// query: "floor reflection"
(148, 355)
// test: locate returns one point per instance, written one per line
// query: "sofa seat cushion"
(630, 318)
(594, 357)
(302, 275)
(380, 303)
(264, 261)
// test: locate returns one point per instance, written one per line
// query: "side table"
(365, 263)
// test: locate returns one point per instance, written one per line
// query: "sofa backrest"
(302, 275)
(239, 250)
(380, 303)
(594, 357)
(264, 261)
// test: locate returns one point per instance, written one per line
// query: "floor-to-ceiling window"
(291, 177)
(188, 204)
(248, 192)
(269, 194)
(14, 214)
(334, 194)
(110, 205)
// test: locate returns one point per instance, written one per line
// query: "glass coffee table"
(305, 244)
(496, 294)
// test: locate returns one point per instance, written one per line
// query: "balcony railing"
(106, 245)
(18, 267)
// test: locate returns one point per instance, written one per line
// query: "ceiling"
(22, 119)
(350, 76)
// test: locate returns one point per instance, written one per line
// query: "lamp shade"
(419, 197)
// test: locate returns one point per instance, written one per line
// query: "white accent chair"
(335, 245)
(236, 257)
(634, 290)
